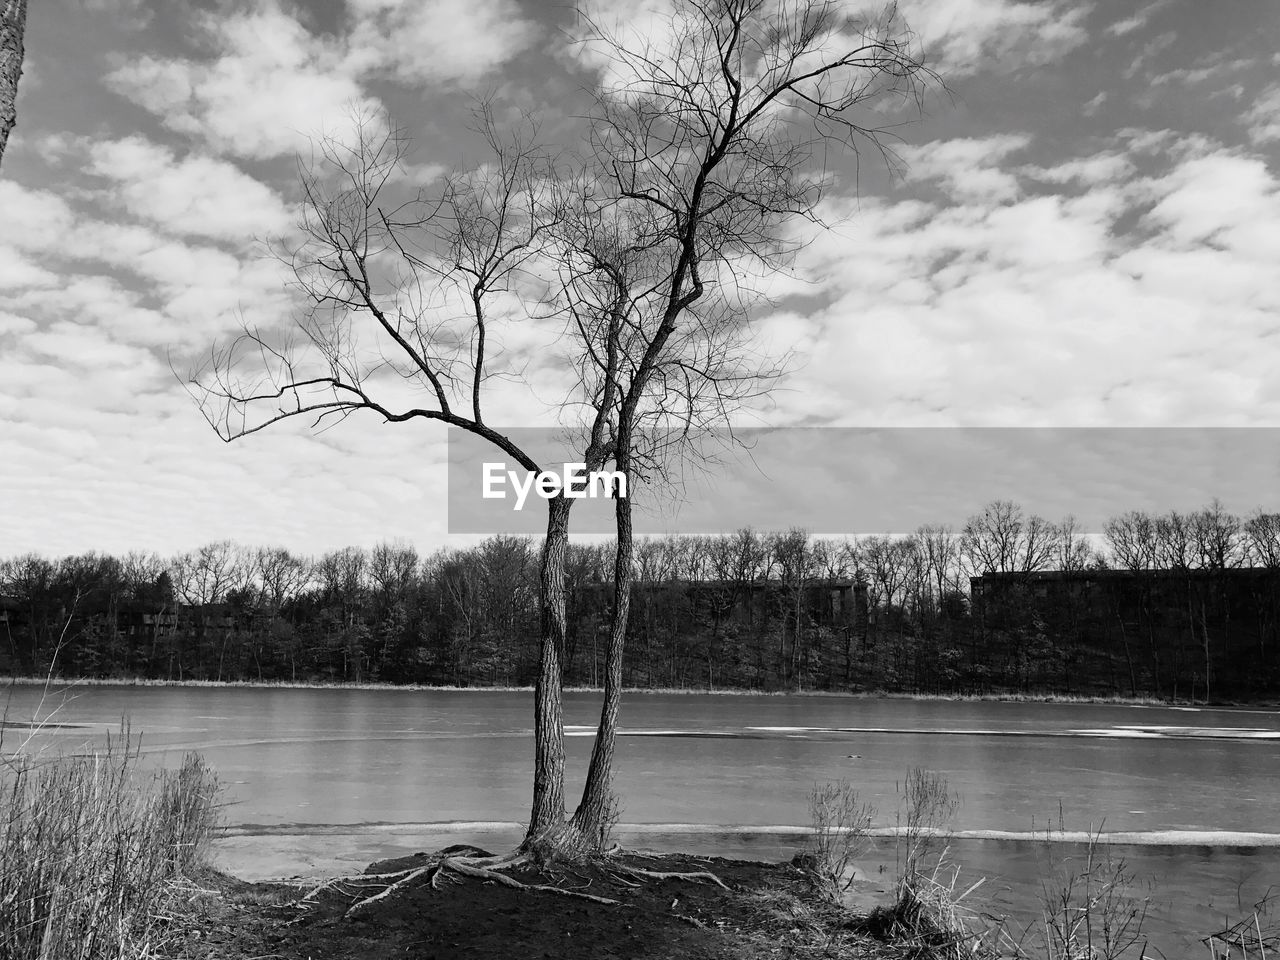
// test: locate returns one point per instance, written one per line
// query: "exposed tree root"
(333, 882)
(486, 867)
(488, 874)
(466, 861)
(430, 871)
(695, 876)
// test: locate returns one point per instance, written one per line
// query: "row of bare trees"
(915, 568)
(1208, 539)
(748, 609)
(933, 560)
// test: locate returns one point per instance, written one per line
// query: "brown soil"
(769, 910)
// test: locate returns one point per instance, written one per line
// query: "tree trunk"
(548, 815)
(13, 22)
(594, 817)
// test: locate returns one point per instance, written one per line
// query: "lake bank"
(764, 911)
(607, 909)
(1190, 890)
(989, 697)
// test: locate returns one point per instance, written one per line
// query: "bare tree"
(13, 24)
(141, 572)
(1002, 539)
(940, 548)
(280, 576)
(1132, 541)
(1217, 537)
(1072, 550)
(1174, 541)
(707, 135)
(402, 288)
(702, 149)
(1262, 536)
(208, 574)
(393, 567)
(1218, 544)
(887, 563)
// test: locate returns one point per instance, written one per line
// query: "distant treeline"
(1179, 605)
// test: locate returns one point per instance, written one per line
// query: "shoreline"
(766, 903)
(1218, 839)
(992, 697)
(753, 911)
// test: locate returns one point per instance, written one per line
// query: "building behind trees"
(1006, 606)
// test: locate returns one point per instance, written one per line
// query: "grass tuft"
(840, 823)
(91, 848)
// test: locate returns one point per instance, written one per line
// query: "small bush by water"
(1092, 911)
(90, 849)
(840, 822)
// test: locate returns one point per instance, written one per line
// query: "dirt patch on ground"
(768, 910)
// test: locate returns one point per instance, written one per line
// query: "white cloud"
(101, 300)
(1208, 198)
(968, 36)
(18, 272)
(1209, 69)
(437, 41)
(271, 87)
(143, 286)
(34, 220)
(1138, 20)
(1149, 51)
(1096, 170)
(959, 37)
(87, 346)
(968, 168)
(1046, 305)
(12, 325)
(1094, 104)
(197, 195)
(1263, 116)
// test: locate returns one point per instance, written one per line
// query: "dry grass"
(90, 849)
(1253, 937)
(840, 822)
(1095, 912)
(931, 917)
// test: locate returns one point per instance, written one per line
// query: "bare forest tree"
(279, 576)
(209, 574)
(1131, 538)
(940, 547)
(13, 25)
(1072, 552)
(1262, 538)
(703, 147)
(1002, 539)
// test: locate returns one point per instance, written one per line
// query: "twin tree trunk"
(547, 818)
(550, 833)
(598, 810)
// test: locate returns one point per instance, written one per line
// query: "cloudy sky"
(1087, 234)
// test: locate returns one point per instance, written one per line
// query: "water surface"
(320, 780)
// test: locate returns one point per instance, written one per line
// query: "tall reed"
(90, 847)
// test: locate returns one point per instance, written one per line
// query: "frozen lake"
(321, 780)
